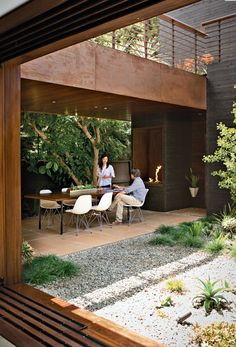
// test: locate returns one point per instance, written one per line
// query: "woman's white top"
(107, 171)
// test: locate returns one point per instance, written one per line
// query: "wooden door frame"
(10, 193)
(10, 110)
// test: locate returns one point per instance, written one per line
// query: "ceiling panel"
(52, 98)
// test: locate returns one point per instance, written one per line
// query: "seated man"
(132, 195)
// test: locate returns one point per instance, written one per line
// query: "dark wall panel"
(182, 147)
(177, 161)
(203, 11)
(221, 94)
(198, 150)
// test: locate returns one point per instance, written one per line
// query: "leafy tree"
(66, 148)
(140, 38)
(225, 153)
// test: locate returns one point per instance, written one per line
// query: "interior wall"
(175, 140)
(147, 151)
(177, 144)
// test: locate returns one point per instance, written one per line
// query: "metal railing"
(221, 38)
(162, 39)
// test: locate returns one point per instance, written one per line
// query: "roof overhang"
(41, 27)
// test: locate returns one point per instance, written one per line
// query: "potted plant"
(193, 180)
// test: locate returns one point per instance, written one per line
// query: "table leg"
(61, 232)
(40, 217)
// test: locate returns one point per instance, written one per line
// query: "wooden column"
(10, 196)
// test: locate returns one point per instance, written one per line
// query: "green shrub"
(192, 241)
(164, 240)
(175, 285)
(210, 297)
(167, 302)
(45, 269)
(227, 219)
(164, 229)
(196, 229)
(216, 245)
(215, 335)
(187, 234)
(27, 252)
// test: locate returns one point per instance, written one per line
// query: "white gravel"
(125, 281)
(138, 312)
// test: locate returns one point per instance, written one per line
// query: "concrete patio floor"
(49, 241)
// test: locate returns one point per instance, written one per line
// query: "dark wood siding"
(221, 93)
(177, 161)
(182, 147)
(198, 150)
(203, 11)
(220, 89)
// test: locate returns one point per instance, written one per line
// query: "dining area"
(80, 208)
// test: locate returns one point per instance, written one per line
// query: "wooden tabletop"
(51, 196)
(66, 196)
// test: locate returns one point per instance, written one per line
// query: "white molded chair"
(82, 206)
(99, 211)
(135, 211)
(50, 207)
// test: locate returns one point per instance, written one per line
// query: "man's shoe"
(116, 222)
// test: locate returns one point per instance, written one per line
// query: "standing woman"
(105, 172)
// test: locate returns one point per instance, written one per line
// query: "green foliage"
(216, 245)
(164, 229)
(209, 225)
(188, 234)
(175, 285)
(48, 141)
(225, 154)
(227, 219)
(215, 335)
(195, 229)
(192, 179)
(46, 269)
(164, 240)
(27, 252)
(210, 297)
(81, 187)
(167, 302)
(191, 241)
(130, 39)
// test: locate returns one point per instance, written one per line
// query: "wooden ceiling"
(57, 99)
(39, 24)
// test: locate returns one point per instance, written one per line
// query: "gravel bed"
(118, 270)
(138, 313)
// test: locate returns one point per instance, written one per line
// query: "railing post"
(195, 51)
(219, 40)
(146, 39)
(173, 41)
(113, 39)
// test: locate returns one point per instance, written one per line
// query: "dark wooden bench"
(29, 317)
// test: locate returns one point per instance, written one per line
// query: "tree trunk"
(95, 141)
(95, 164)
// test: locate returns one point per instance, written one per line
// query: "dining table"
(65, 196)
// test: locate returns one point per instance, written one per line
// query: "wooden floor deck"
(31, 318)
